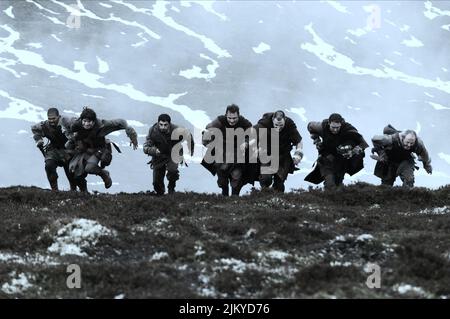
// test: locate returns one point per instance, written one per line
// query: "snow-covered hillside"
(374, 62)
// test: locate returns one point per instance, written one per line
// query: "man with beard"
(92, 148)
(227, 140)
(395, 156)
(161, 140)
(54, 129)
(341, 150)
(287, 137)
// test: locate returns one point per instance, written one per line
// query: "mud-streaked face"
(232, 118)
(278, 124)
(335, 127)
(53, 119)
(163, 126)
(87, 124)
(408, 141)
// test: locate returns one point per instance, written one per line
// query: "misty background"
(376, 63)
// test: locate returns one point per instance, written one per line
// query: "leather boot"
(53, 183)
(106, 178)
(235, 191)
(171, 187)
(225, 191)
(82, 185)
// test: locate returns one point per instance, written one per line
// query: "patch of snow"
(340, 264)
(105, 5)
(103, 67)
(21, 109)
(159, 255)
(94, 96)
(434, 12)
(159, 11)
(339, 7)
(349, 39)
(368, 268)
(93, 80)
(161, 222)
(18, 284)
(328, 54)
(276, 201)
(415, 62)
(364, 237)
(136, 123)
(28, 259)
(205, 290)
(277, 254)
(35, 45)
(405, 28)
(351, 238)
(389, 248)
(358, 32)
(236, 265)
(207, 6)
(374, 206)
(435, 211)
(446, 27)
(447, 255)
(261, 48)
(121, 296)
(138, 44)
(438, 106)
(80, 233)
(404, 289)
(445, 157)
(354, 108)
(183, 267)
(412, 42)
(9, 13)
(300, 111)
(309, 66)
(251, 232)
(199, 251)
(196, 72)
(339, 238)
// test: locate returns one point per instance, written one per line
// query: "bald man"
(288, 137)
(54, 129)
(395, 156)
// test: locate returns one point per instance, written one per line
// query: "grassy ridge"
(304, 244)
